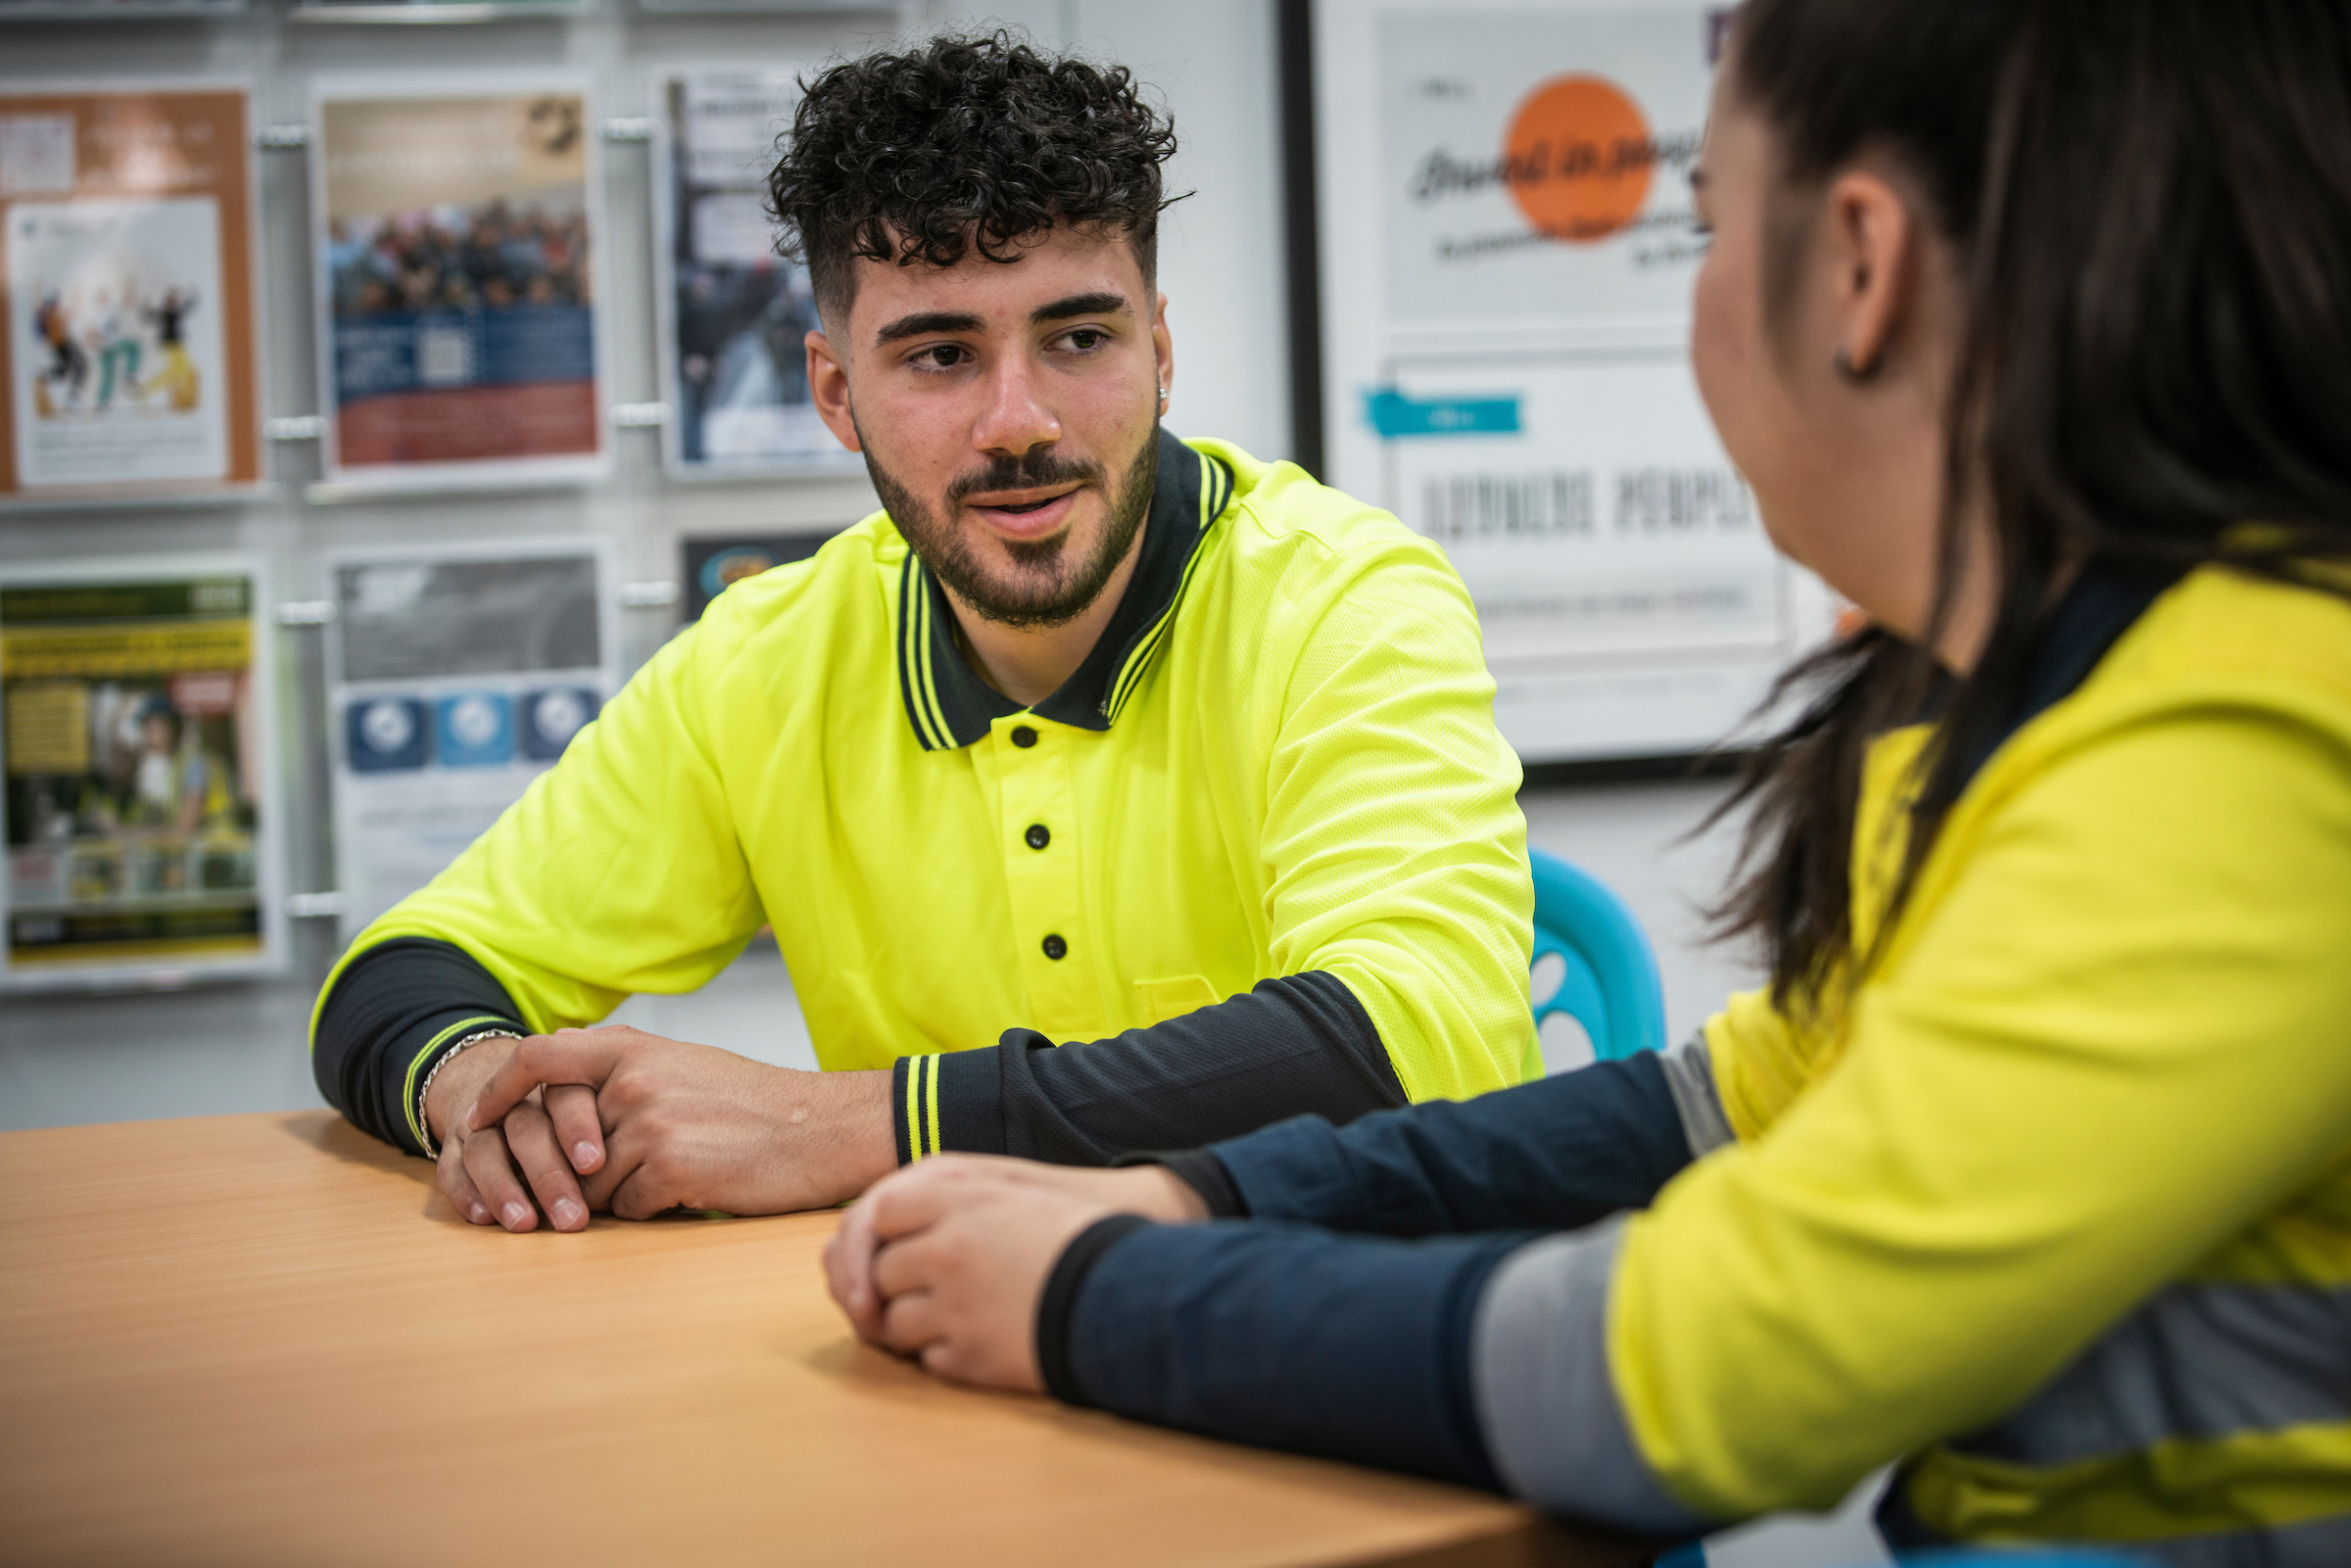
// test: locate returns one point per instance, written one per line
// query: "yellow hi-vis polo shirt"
(1262, 849)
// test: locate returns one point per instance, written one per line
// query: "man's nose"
(1016, 419)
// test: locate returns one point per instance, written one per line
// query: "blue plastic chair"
(1610, 986)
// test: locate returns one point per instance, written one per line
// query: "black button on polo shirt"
(1056, 949)
(1023, 737)
(1039, 835)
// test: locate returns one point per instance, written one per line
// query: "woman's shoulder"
(2226, 635)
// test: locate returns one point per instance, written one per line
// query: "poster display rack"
(428, 609)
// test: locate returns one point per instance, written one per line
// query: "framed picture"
(455, 677)
(136, 705)
(126, 217)
(734, 316)
(1511, 242)
(461, 342)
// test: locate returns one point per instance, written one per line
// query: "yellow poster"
(132, 736)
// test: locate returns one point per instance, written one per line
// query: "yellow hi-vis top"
(2057, 1197)
(1288, 763)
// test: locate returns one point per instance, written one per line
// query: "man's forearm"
(1297, 1045)
(392, 1014)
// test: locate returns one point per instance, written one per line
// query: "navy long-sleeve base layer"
(1356, 1346)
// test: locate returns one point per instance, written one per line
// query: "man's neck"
(1029, 664)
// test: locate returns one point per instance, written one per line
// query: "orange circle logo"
(1579, 156)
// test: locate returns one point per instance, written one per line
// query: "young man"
(1092, 734)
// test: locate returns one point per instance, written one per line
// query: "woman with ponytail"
(2030, 1171)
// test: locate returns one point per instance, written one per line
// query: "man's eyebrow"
(1079, 305)
(924, 323)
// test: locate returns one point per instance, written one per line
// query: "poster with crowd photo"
(1508, 235)
(126, 219)
(134, 738)
(734, 316)
(459, 338)
(456, 678)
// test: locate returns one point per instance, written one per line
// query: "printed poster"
(126, 219)
(457, 282)
(457, 677)
(134, 711)
(1512, 255)
(734, 316)
(717, 562)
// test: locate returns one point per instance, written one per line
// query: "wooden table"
(265, 1339)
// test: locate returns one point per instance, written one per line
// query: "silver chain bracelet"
(424, 1126)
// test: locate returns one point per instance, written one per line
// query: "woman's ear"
(1871, 244)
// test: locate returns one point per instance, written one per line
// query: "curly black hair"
(970, 143)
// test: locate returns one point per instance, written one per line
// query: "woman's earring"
(1851, 374)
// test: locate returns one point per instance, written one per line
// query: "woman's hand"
(946, 1260)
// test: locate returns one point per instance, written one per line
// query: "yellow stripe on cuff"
(914, 1101)
(930, 1105)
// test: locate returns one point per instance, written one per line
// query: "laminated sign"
(457, 679)
(133, 731)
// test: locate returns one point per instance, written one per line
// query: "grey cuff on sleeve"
(1539, 1364)
(1690, 1080)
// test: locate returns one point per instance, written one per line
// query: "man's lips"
(1026, 513)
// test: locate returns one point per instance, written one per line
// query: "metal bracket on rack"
(638, 415)
(296, 427)
(627, 128)
(305, 612)
(282, 139)
(651, 596)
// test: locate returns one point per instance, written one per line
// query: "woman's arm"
(1551, 1155)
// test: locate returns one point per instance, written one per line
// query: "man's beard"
(1045, 587)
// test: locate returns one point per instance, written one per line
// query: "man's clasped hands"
(945, 1261)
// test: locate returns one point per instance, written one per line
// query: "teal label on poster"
(1395, 415)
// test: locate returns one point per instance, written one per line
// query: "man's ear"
(829, 390)
(1163, 352)
(1873, 247)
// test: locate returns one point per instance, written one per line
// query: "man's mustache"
(1033, 470)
